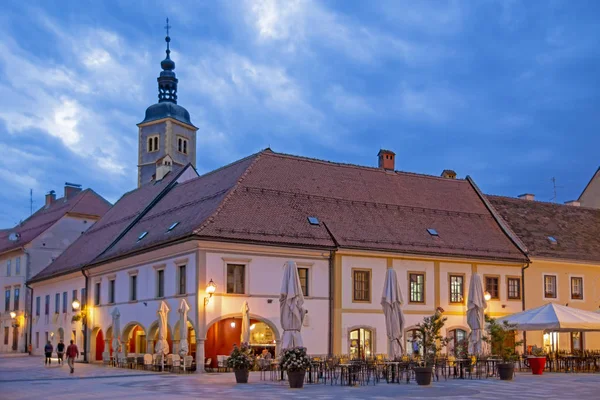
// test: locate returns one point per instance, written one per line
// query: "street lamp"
(210, 290)
(487, 296)
(76, 304)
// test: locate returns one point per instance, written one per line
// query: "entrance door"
(361, 343)
(15, 338)
(99, 345)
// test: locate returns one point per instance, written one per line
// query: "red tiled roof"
(85, 202)
(364, 208)
(576, 229)
(267, 198)
(98, 237)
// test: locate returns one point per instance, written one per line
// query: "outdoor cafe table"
(394, 366)
(346, 369)
(491, 366)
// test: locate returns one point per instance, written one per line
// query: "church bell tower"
(167, 136)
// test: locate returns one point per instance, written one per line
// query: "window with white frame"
(8, 268)
(64, 308)
(37, 306)
(17, 295)
(182, 145)
(47, 305)
(550, 286)
(133, 288)
(57, 303)
(577, 288)
(111, 291)
(181, 275)
(18, 266)
(97, 294)
(73, 299)
(7, 300)
(160, 283)
(236, 278)
(153, 143)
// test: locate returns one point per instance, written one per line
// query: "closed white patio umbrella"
(183, 342)
(245, 336)
(391, 300)
(475, 317)
(553, 317)
(116, 329)
(162, 346)
(291, 311)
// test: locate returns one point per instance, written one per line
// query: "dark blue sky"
(504, 91)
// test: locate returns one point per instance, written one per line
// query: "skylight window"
(432, 232)
(172, 226)
(142, 235)
(552, 240)
(313, 220)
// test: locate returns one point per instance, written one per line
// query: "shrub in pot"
(241, 360)
(497, 335)
(428, 338)
(295, 362)
(537, 360)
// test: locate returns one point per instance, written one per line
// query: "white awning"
(553, 317)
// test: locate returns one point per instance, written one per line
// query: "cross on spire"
(167, 27)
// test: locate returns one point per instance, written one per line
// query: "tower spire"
(167, 81)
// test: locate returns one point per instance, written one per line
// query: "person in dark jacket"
(60, 351)
(48, 349)
(72, 352)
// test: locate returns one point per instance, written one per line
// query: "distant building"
(590, 197)
(28, 248)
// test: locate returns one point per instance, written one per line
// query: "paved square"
(28, 378)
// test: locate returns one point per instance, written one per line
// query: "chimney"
(163, 167)
(527, 196)
(386, 159)
(573, 203)
(448, 174)
(71, 189)
(50, 198)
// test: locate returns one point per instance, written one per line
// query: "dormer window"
(152, 143)
(182, 145)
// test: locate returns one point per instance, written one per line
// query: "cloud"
(347, 103)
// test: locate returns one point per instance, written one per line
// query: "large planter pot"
(296, 379)
(423, 375)
(537, 364)
(506, 371)
(241, 375)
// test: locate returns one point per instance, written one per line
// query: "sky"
(506, 92)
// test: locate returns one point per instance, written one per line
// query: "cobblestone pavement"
(28, 378)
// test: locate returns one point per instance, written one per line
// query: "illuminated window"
(457, 287)
(577, 288)
(550, 286)
(303, 274)
(417, 287)
(362, 285)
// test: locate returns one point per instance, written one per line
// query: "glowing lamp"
(487, 296)
(13, 314)
(76, 304)
(252, 327)
(211, 287)
(233, 324)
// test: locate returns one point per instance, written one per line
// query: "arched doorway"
(108, 341)
(191, 339)
(133, 339)
(222, 334)
(153, 337)
(361, 342)
(98, 344)
(458, 344)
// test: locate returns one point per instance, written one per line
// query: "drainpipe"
(30, 320)
(85, 320)
(523, 302)
(331, 284)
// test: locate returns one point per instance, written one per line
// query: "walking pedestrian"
(48, 349)
(72, 352)
(60, 351)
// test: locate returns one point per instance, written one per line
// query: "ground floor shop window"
(361, 343)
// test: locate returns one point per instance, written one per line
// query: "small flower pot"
(423, 375)
(537, 364)
(241, 375)
(506, 371)
(296, 379)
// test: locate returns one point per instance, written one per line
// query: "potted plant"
(295, 361)
(537, 360)
(429, 339)
(241, 360)
(496, 335)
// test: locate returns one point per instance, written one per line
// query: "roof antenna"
(554, 187)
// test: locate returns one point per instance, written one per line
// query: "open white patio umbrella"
(391, 300)
(245, 337)
(183, 342)
(116, 329)
(162, 346)
(291, 312)
(553, 317)
(475, 317)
